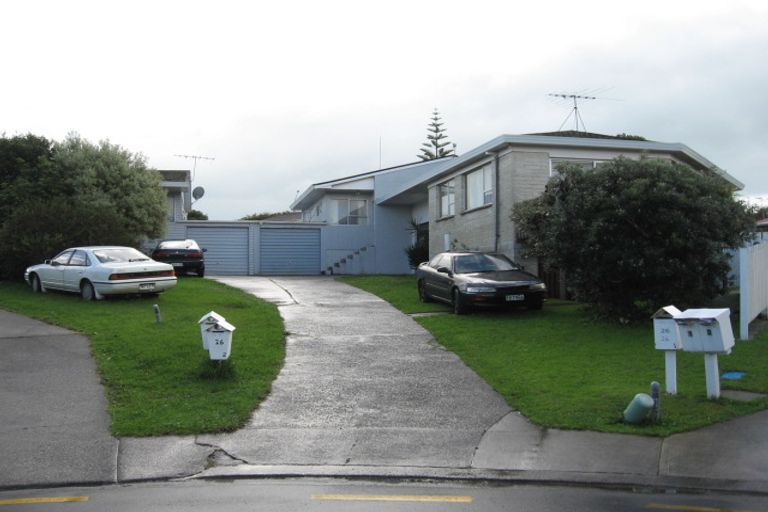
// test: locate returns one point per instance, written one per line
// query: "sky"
(285, 94)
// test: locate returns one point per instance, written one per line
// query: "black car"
(466, 279)
(184, 255)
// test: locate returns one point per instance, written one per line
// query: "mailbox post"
(708, 331)
(667, 338)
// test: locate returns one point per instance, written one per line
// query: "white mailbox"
(219, 340)
(206, 321)
(665, 331)
(706, 330)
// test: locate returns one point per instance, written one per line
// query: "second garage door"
(226, 248)
(290, 251)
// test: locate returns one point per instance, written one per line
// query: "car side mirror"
(205, 250)
(444, 270)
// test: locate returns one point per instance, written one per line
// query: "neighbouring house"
(178, 188)
(363, 223)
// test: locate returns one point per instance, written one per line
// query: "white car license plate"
(514, 298)
(146, 286)
(177, 264)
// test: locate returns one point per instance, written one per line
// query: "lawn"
(158, 378)
(560, 369)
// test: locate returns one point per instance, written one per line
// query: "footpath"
(365, 392)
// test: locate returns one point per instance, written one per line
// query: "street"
(344, 495)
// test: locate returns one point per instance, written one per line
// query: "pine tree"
(435, 147)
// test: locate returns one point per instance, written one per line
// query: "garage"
(285, 251)
(226, 248)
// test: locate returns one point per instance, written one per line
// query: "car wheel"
(423, 295)
(201, 273)
(536, 304)
(35, 283)
(87, 292)
(459, 307)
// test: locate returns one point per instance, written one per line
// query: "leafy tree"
(635, 235)
(54, 195)
(435, 146)
(196, 215)
(265, 215)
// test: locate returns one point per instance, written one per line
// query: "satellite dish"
(198, 192)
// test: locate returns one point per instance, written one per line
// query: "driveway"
(362, 384)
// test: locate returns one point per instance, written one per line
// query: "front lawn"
(562, 370)
(158, 378)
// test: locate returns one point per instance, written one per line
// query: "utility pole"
(195, 158)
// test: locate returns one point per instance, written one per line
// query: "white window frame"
(482, 177)
(360, 219)
(446, 198)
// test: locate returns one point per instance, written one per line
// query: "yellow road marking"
(53, 499)
(388, 497)
(690, 508)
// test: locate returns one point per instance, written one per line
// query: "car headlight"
(538, 286)
(473, 288)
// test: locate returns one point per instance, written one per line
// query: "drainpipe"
(496, 209)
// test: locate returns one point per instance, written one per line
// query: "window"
(79, 259)
(447, 198)
(63, 258)
(349, 211)
(584, 163)
(479, 187)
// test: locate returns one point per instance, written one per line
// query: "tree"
(265, 215)
(635, 235)
(196, 215)
(54, 195)
(435, 147)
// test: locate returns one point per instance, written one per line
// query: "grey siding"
(227, 248)
(290, 251)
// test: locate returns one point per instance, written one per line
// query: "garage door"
(227, 248)
(290, 251)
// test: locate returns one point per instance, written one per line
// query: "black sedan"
(466, 279)
(184, 255)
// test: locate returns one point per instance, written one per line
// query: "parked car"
(95, 272)
(185, 255)
(467, 279)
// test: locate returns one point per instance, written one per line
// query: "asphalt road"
(342, 496)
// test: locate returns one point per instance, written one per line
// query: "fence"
(753, 288)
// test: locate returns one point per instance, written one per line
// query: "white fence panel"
(753, 287)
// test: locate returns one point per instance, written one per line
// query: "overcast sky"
(285, 94)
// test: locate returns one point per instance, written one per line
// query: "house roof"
(683, 152)
(347, 183)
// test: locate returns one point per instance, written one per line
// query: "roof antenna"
(195, 158)
(575, 110)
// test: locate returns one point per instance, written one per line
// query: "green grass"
(562, 370)
(158, 378)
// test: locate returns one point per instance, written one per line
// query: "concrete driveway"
(362, 384)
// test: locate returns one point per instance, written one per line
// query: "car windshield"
(178, 244)
(471, 263)
(119, 255)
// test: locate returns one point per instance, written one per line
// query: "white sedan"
(95, 272)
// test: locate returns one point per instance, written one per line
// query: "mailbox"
(206, 321)
(706, 330)
(665, 329)
(218, 338)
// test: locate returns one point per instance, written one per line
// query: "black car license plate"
(515, 297)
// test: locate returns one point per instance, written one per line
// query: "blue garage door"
(286, 251)
(226, 248)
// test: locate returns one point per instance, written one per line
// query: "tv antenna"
(575, 110)
(195, 158)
